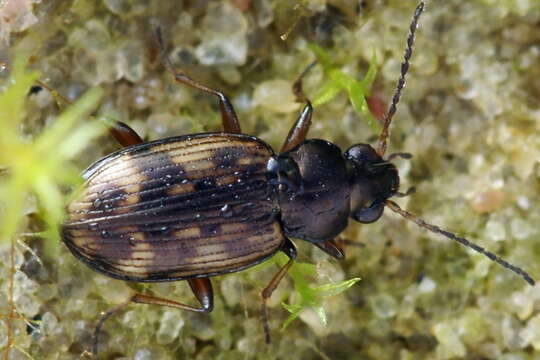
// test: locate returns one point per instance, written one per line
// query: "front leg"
(228, 115)
(332, 248)
(124, 134)
(290, 250)
(299, 130)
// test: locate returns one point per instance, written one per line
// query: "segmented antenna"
(381, 148)
(433, 228)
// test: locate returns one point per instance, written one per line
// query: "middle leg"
(290, 250)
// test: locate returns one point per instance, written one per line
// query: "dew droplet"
(185, 181)
(93, 226)
(104, 234)
(226, 211)
(97, 203)
(164, 229)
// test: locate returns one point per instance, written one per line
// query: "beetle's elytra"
(196, 206)
(177, 208)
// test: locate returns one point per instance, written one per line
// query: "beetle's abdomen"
(176, 208)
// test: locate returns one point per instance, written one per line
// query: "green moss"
(336, 81)
(39, 165)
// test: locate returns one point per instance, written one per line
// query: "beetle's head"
(372, 179)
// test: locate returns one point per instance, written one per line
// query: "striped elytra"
(176, 208)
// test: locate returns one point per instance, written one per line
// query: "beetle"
(196, 206)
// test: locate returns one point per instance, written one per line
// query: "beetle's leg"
(201, 287)
(335, 247)
(342, 242)
(125, 135)
(228, 115)
(332, 248)
(299, 131)
(290, 250)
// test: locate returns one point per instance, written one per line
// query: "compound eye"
(369, 214)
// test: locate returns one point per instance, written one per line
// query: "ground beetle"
(196, 206)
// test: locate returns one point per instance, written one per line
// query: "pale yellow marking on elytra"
(79, 233)
(196, 145)
(248, 160)
(213, 251)
(132, 188)
(76, 206)
(142, 250)
(202, 151)
(74, 217)
(109, 171)
(233, 227)
(194, 232)
(178, 189)
(130, 229)
(199, 165)
(116, 174)
(226, 180)
(83, 242)
(131, 199)
(124, 181)
(132, 266)
(137, 236)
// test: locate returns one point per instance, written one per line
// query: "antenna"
(381, 148)
(435, 229)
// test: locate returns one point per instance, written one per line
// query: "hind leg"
(201, 287)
